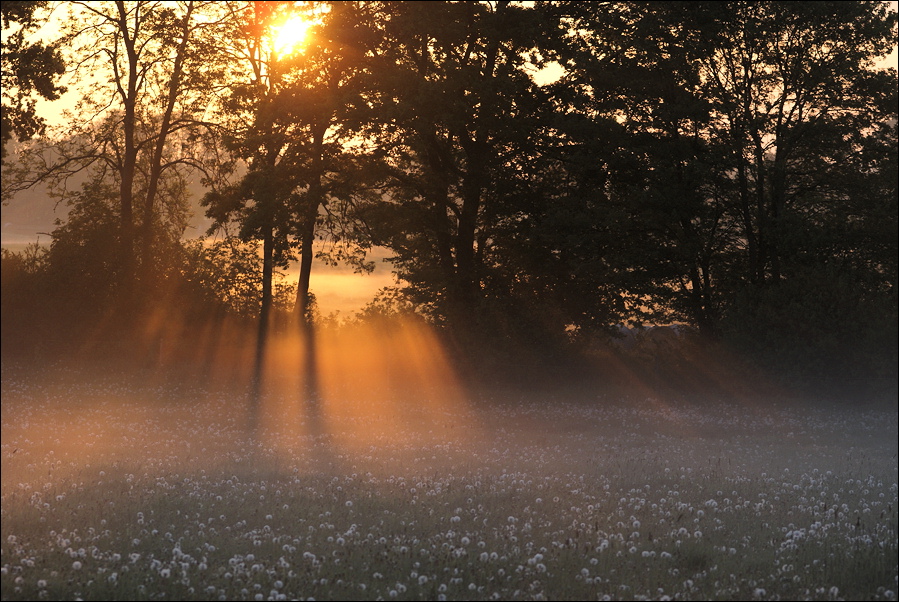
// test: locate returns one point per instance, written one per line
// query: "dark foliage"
(30, 70)
(726, 166)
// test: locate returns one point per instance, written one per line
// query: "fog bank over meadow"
(113, 488)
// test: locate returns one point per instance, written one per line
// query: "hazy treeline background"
(540, 173)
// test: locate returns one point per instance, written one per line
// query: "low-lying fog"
(121, 489)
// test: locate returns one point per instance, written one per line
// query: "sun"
(288, 37)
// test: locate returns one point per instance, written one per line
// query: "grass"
(115, 491)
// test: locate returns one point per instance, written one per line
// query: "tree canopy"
(29, 69)
(728, 166)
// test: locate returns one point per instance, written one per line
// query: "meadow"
(113, 490)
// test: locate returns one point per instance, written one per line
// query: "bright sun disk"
(290, 35)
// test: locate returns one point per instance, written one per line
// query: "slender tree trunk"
(467, 281)
(315, 199)
(778, 201)
(701, 300)
(761, 206)
(307, 240)
(752, 246)
(164, 130)
(128, 96)
(128, 169)
(473, 186)
(309, 368)
(268, 252)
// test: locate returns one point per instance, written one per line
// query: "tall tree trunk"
(745, 205)
(309, 367)
(129, 162)
(156, 162)
(473, 185)
(307, 241)
(268, 253)
(315, 199)
(776, 208)
(763, 220)
(467, 280)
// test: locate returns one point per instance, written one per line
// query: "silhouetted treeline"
(541, 173)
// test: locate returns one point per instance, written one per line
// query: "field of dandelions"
(116, 491)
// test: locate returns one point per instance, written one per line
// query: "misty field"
(117, 491)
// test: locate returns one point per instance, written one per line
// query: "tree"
(145, 70)
(296, 183)
(641, 125)
(751, 145)
(301, 180)
(461, 118)
(737, 119)
(222, 278)
(29, 69)
(791, 84)
(326, 102)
